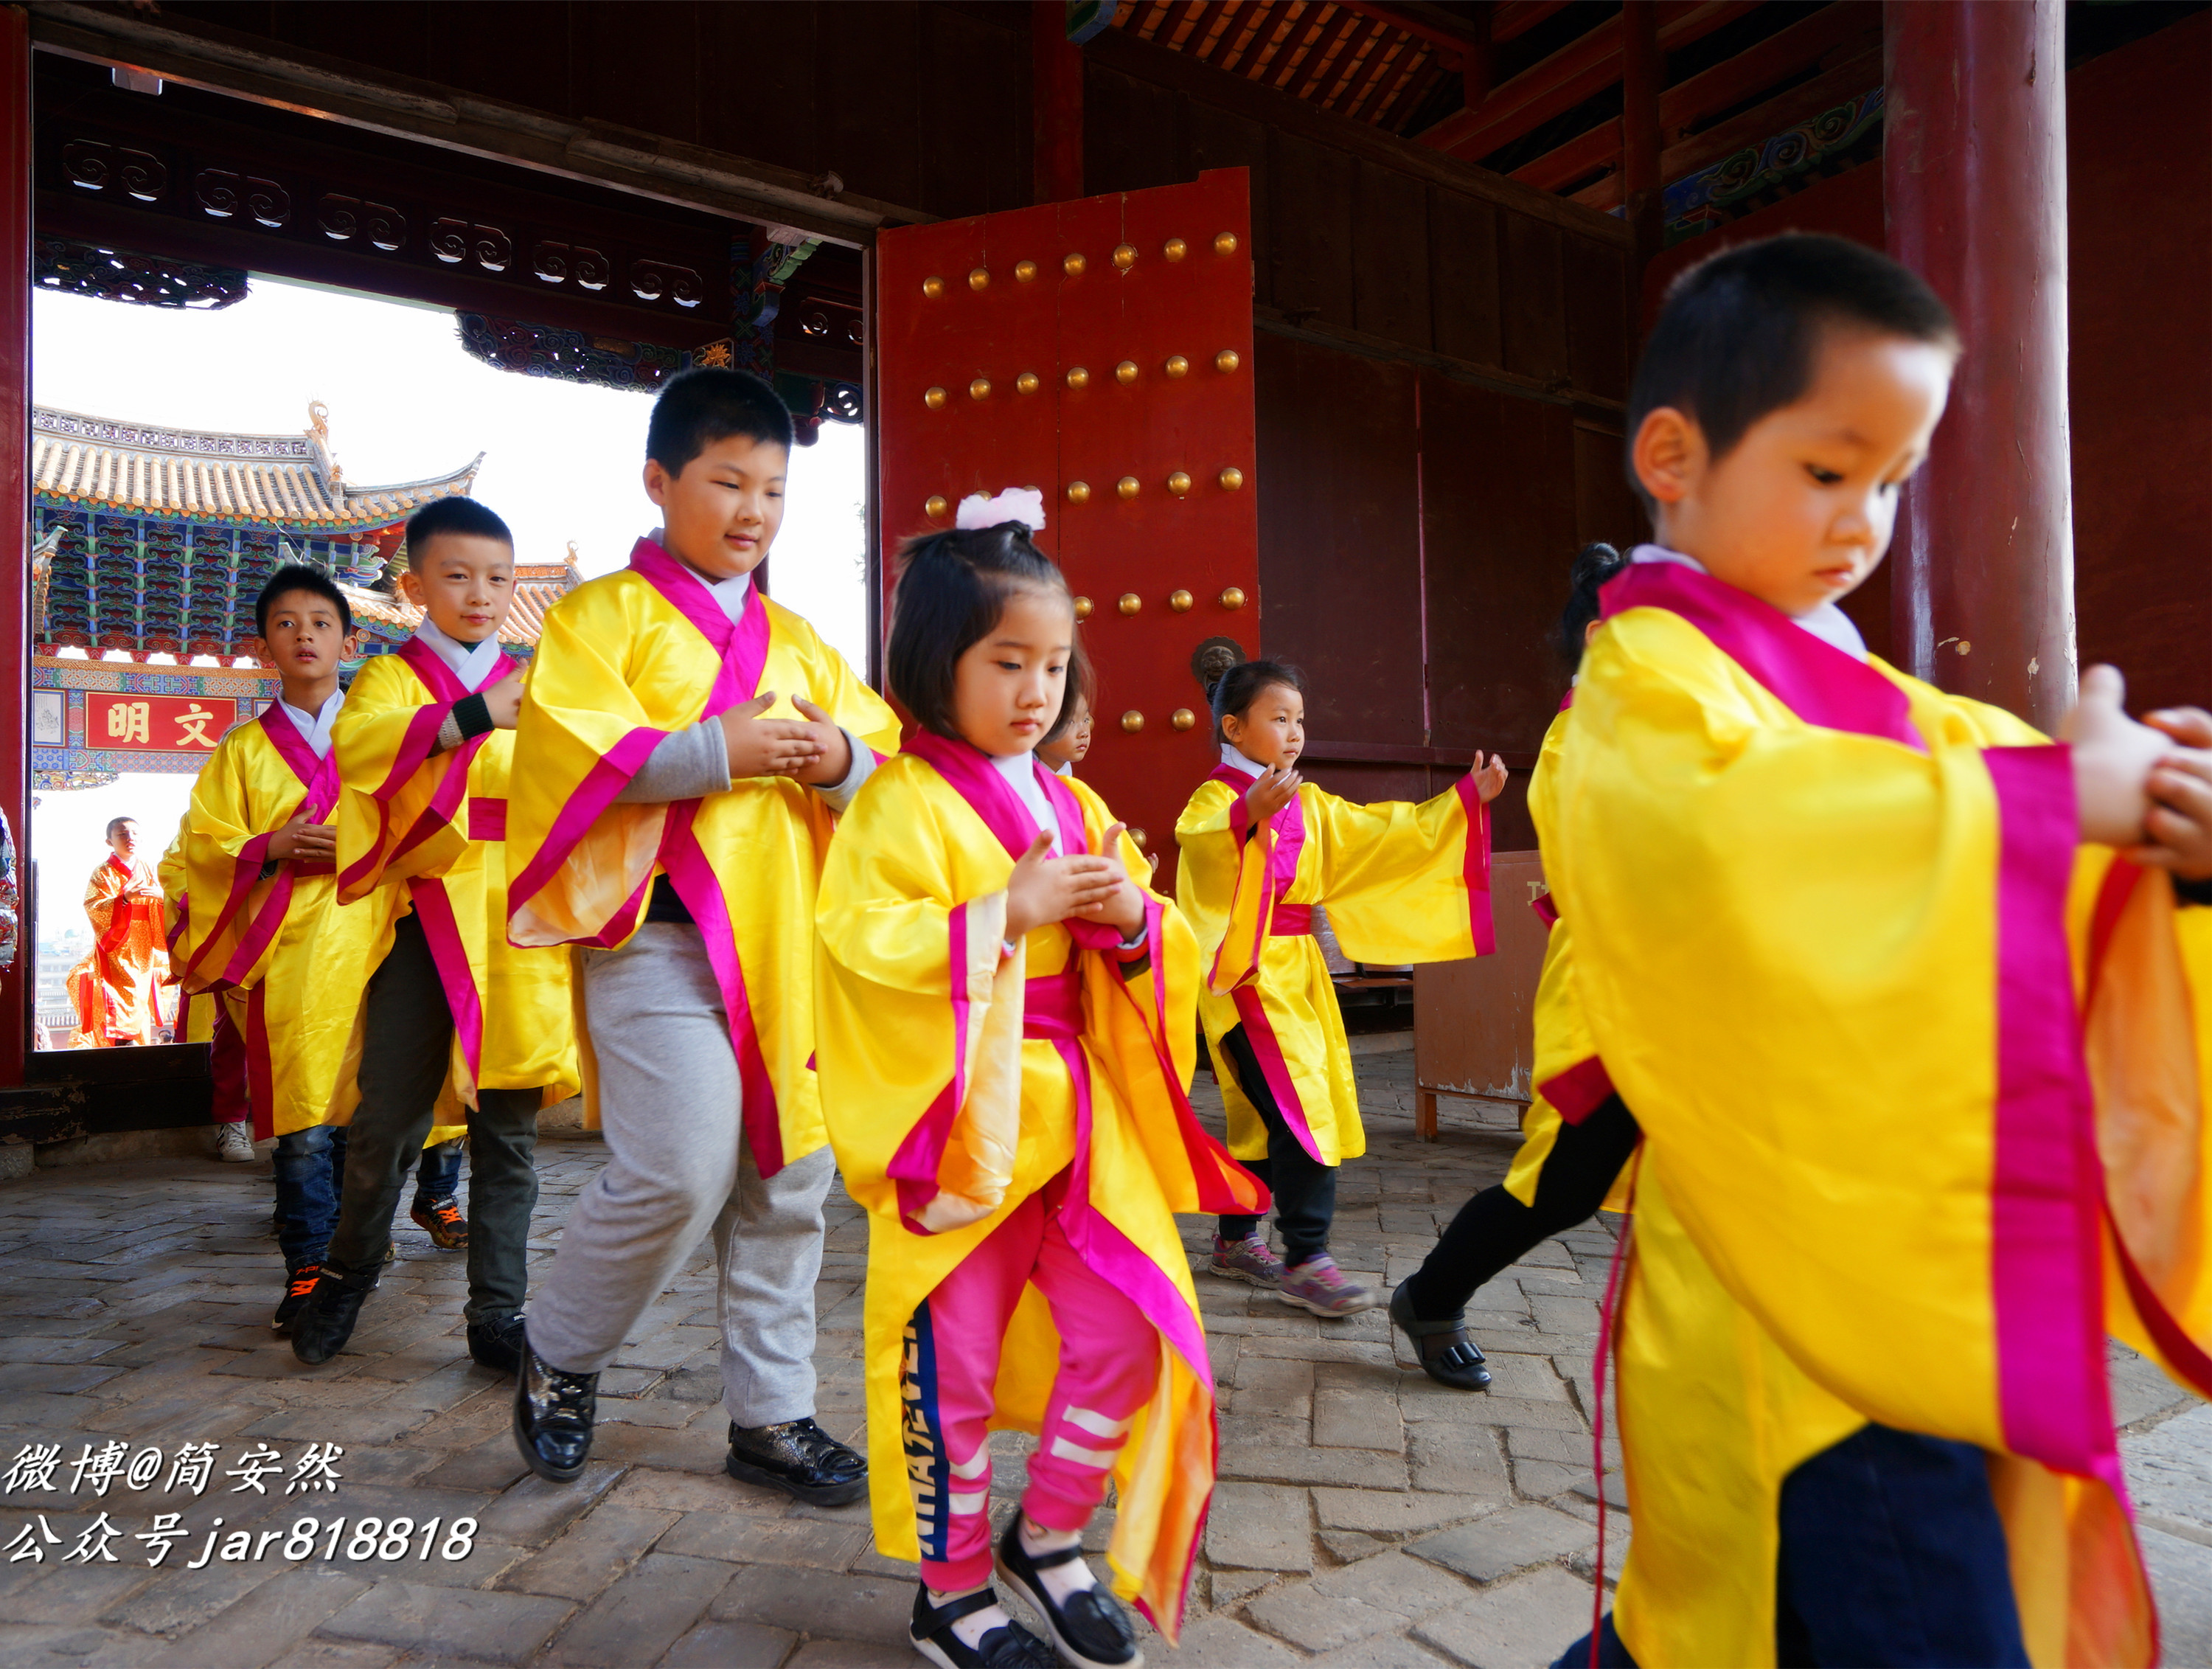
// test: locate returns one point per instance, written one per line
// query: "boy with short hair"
(454, 1016)
(666, 822)
(262, 928)
(1822, 916)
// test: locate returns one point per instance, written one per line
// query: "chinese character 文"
(192, 726)
(129, 721)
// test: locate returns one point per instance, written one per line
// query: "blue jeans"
(307, 1193)
(437, 1177)
(1892, 1558)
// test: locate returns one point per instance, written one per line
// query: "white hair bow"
(1022, 504)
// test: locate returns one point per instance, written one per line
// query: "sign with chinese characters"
(129, 723)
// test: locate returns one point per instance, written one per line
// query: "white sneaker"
(234, 1142)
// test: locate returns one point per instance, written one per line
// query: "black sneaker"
(1091, 1630)
(553, 1415)
(297, 1286)
(326, 1321)
(441, 1219)
(497, 1344)
(799, 1457)
(1448, 1355)
(1010, 1646)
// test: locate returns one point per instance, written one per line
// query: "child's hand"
(305, 840)
(2113, 757)
(1045, 889)
(837, 751)
(1489, 775)
(1277, 786)
(2179, 823)
(1126, 909)
(767, 747)
(503, 701)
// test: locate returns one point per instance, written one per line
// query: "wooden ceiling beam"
(1800, 46)
(1381, 67)
(1582, 68)
(1411, 97)
(1224, 55)
(1777, 115)
(1459, 42)
(1314, 73)
(1517, 17)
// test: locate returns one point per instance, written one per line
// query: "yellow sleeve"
(1403, 882)
(1221, 884)
(101, 890)
(397, 814)
(227, 825)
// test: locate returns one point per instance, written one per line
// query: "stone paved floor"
(1366, 1516)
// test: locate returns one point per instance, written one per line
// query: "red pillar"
(1055, 105)
(16, 984)
(1974, 174)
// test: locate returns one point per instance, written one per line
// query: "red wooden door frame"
(15, 979)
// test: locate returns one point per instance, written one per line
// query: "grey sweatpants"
(669, 1107)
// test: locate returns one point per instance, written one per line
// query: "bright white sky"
(562, 461)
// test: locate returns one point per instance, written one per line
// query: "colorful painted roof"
(287, 481)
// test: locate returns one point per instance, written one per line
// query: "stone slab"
(1522, 1624)
(439, 1622)
(1505, 1542)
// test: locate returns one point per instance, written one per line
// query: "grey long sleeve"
(693, 764)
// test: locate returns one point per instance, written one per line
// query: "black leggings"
(1304, 1188)
(1494, 1230)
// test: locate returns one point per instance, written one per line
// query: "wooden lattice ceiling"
(1368, 61)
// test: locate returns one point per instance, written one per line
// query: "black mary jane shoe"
(1010, 1646)
(1091, 1630)
(553, 1415)
(497, 1344)
(321, 1326)
(797, 1456)
(1456, 1361)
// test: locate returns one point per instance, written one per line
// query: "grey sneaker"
(1248, 1260)
(1318, 1285)
(235, 1142)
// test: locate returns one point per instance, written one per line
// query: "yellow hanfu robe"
(1831, 924)
(1571, 1080)
(626, 660)
(945, 1118)
(195, 1017)
(1402, 882)
(289, 963)
(430, 827)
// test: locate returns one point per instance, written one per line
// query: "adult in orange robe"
(119, 997)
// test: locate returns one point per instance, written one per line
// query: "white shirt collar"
(1020, 772)
(729, 596)
(1828, 622)
(315, 727)
(470, 663)
(1065, 769)
(1230, 756)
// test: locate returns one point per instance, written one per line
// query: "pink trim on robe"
(1817, 681)
(2047, 1190)
(434, 909)
(1545, 910)
(1475, 866)
(320, 778)
(1579, 1091)
(914, 1167)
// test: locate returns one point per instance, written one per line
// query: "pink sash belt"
(1291, 921)
(1052, 1008)
(487, 817)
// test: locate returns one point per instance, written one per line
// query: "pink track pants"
(1110, 1360)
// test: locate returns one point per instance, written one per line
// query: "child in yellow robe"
(453, 1014)
(684, 746)
(1833, 930)
(1006, 1021)
(260, 927)
(1402, 883)
(1577, 1133)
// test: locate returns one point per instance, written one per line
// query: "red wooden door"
(1101, 351)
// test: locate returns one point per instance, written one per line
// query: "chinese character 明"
(129, 721)
(26, 1546)
(317, 1469)
(98, 1470)
(190, 1467)
(33, 1468)
(93, 1544)
(167, 1532)
(191, 728)
(257, 1464)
